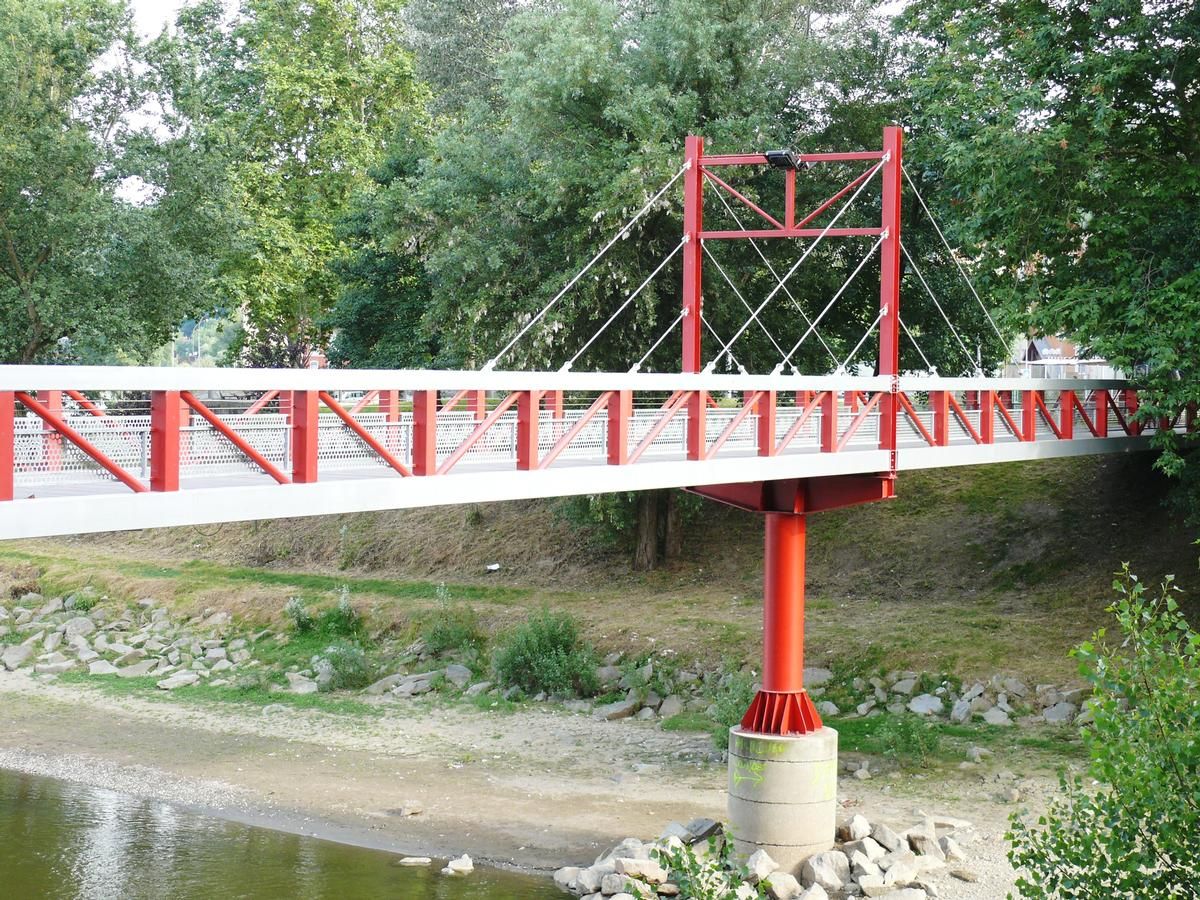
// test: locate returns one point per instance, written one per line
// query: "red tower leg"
(783, 706)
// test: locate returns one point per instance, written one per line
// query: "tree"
(1133, 833)
(302, 97)
(1067, 141)
(106, 231)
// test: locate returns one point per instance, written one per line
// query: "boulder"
(460, 866)
(873, 886)
(831, 870)
(564, 877)
(951, 850)
(815, 677)
(622, 709)
(904, 686)
(924, 843)
(80, 626)
(901, 868)
(1060, 713)
(647, 870)
(457, 675)
(996, 716)
(479, 687)
(759, 865)
(814, 892)
(415, 861)
(52, 641)
(961, 711)
(828, 708)
(782, 886)
(614, 883)
(137, 669)
(178, 680)
(54, 668)
(16, 656)
(926, 705)
(588, 880)
(102, 667)
(671, 706)
(886, 838)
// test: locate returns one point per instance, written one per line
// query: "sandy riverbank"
(535, 789)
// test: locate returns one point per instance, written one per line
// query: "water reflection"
(61, 840)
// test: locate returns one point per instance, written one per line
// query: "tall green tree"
(107, 230)
(303, 97)
(1065, 138)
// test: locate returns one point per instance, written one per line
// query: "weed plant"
(546, 653)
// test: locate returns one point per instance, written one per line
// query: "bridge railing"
(75, 429)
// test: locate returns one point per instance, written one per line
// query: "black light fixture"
(783, 159)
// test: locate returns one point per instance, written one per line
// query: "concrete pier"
(783, 794)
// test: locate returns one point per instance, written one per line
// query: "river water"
(64, 840)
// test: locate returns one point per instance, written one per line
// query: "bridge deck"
(192, 460)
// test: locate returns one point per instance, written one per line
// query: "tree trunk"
(645, 551)
(673, 532)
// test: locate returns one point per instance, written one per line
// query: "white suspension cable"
(954, 259)
(811, 247)
(753, 314)
(928, 365)
(566, 367)
(842, 368)
(491, 363)
(929, 291)
(771, 269)
(840, 291)
(679, 318)
(729, 353)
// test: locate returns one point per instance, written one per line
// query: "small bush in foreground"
(302, 620)
(710, 873)
(547, 654)
(1128, 830)
(908, 739)
(452, 626)
(730, 704)
(350, 667)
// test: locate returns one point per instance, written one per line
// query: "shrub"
(547, 654)
(302, 619)
(732, 699)
(452, 626)
(350, 666)
(908, 739)
(1129, 829)
(341, 619)
(712, 875)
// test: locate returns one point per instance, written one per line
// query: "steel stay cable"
(929, 291)
(753, 315)
(717, 337)
(566, 367)
(840, 291)
(808, 252)
(930, 366)
(954, 258)
(679, 318)
(842, 368)
(491, 363)
(771, 269)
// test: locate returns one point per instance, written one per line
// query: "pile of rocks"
(869, 860)
(402, 684)
(1003, 700)
(72, 634)
(684, 691)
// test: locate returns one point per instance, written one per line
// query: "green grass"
(689, 721)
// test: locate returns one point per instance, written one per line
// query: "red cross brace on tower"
(783, 706)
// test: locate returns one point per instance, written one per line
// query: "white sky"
(152, 15)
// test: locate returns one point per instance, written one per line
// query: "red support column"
(554, 400)
(51, 439)
(693, 219)
(987, 417)
(620, 412)
(829, 421)
(940, 403)
(889, 287)
(424, 449)
(767, 407)
(783, 706)
(1028, 416)
(166, 416)
(528, 413)
(1066, 414)
(1131, 407)
(697, 425)
(477, 404)
(1100, 413)
(304, 419)
(8, 413)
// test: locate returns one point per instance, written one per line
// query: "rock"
(564, 877)
(886, 838)
(52, 641)
(996, 716)
(54, 668)
(964, 875)
(131, 655)
(901, 867)
(926, 705)
(865, 707)
(216, 653)
(1015, 687)
(873, 886)
(951, 851)
(977, 754)
(16, 656)
(863, 772)
(80, 626)
(831, 870)
(457, 675)
(588, 880)
(614, 883)
(137, 669)
(607, 674)
(221, 665)
(102, 667)
(815, 677)
(622, 709)
(860, 865)
(858, 828)
(904, 686)
(646, 870)
(908, 893)
(275, 709)
(782, 886)
(671, 706)
(479, 687)
(868, 846)
(415, 861)
(383, 685)
(460, 866)
(304, 687)
(667, 890)
(703, 828)
(1010, 795)
(51, 607)
(828, 708)
(814, 892)
(178, 680)
(961, 711)
(1060, 713)
(925, 843)
(759, 866)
